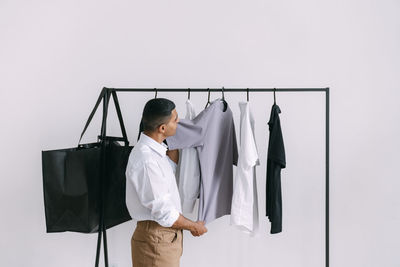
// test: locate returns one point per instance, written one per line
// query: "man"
(152, 195)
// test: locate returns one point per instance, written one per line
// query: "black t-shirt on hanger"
(275, 162)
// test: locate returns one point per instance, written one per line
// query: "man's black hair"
(156, 112)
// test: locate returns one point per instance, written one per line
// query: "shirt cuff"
(173, 216)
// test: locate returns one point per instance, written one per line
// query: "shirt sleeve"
(152, 190)
(276, 147)
(248, 142)
(235, 152)
(188, 134)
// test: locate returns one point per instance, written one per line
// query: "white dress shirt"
(173, 165)
(244, 212)
(188, 170)
(151, 189)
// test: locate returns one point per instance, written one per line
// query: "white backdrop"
(55, 56)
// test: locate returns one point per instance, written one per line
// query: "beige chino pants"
(154, 245)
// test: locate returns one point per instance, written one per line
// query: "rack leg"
(98, 249)
(105, 247)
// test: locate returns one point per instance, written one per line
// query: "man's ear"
(161, 128)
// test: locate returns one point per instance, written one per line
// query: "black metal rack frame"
(112, 91)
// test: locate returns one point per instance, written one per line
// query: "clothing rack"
(108, 91)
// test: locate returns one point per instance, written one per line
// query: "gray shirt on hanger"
(212, 133)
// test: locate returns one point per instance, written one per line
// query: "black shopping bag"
(78, 188)
(115, 210)
(71, 188)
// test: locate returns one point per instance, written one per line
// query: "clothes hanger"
(188, 93)
(247, 94)
(274, 96)
(156, 93)
(223, 100)
(208, 101)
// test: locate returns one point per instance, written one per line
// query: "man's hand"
(198, 228)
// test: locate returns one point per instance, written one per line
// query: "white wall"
(55, 56)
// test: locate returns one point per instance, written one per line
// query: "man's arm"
(196, 228)
(173, 155)
(183, 223)
(149, 183)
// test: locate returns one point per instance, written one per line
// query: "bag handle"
(121, 121)
(105, 95)
(106, 100)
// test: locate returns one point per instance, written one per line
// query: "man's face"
(172, 124)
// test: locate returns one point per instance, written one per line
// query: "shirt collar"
(159, 148)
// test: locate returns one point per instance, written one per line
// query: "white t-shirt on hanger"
(188, 170)
(244, 211)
